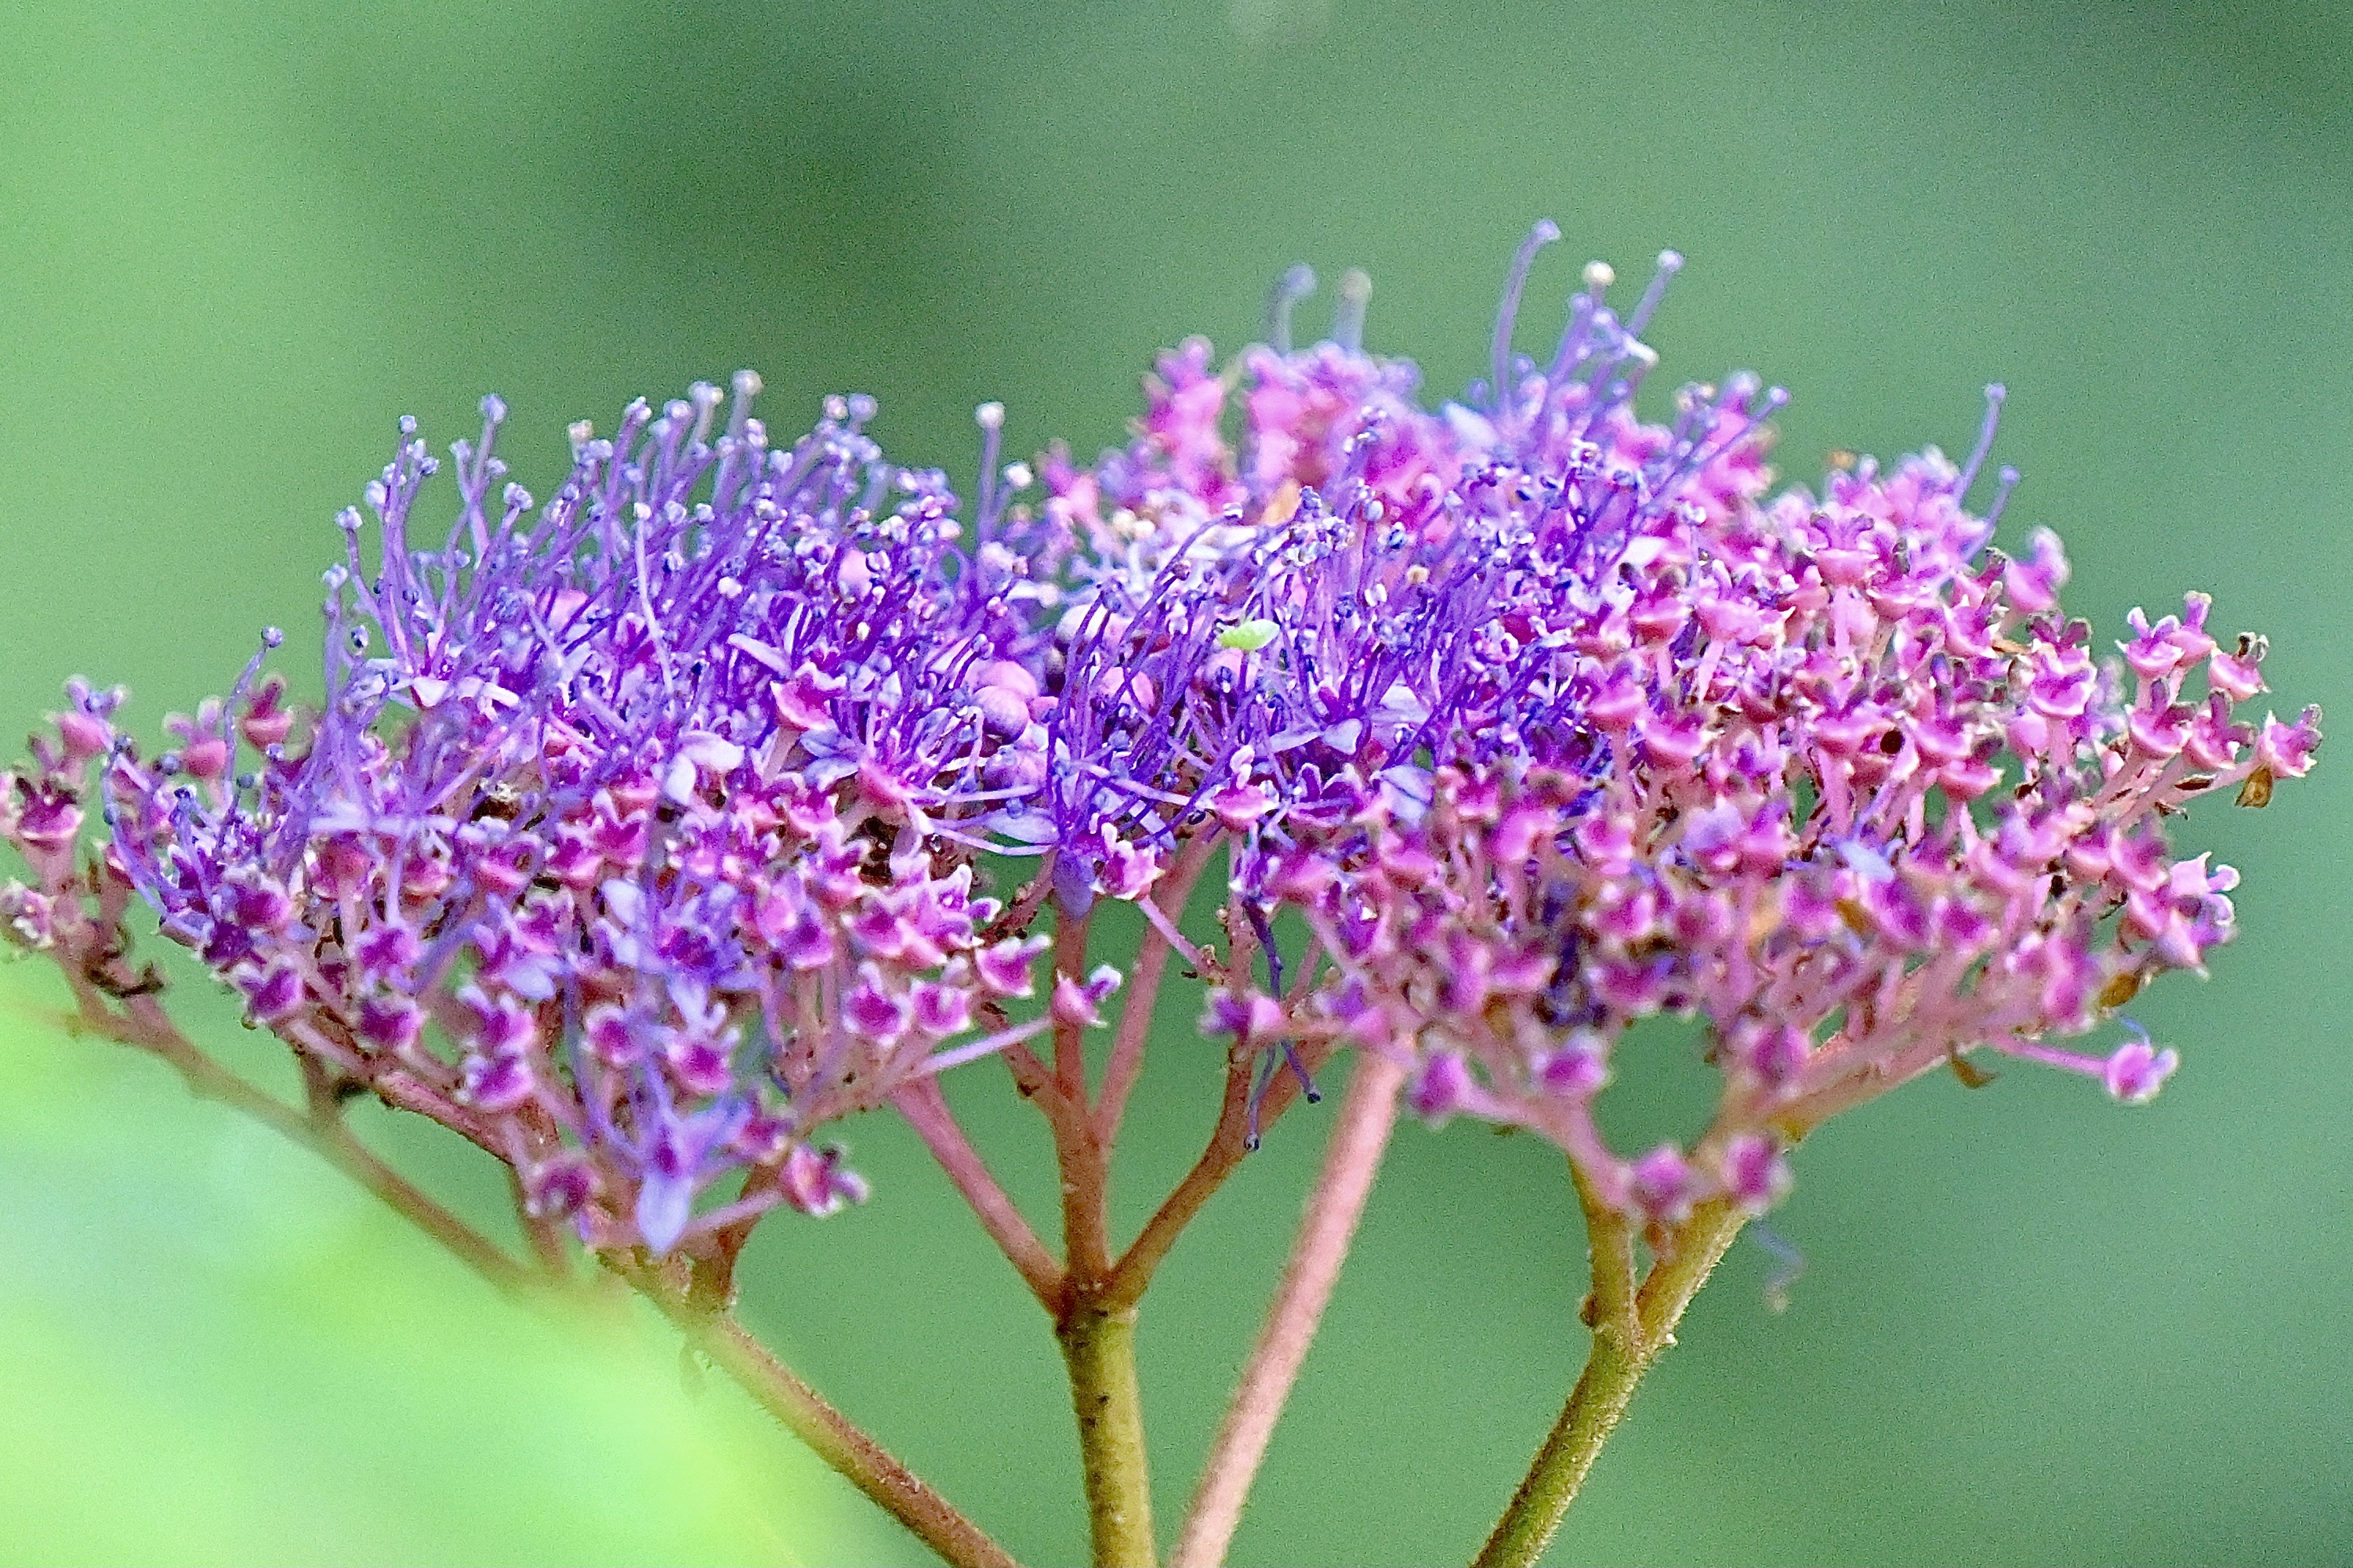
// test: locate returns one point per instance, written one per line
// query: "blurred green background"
(237, 241)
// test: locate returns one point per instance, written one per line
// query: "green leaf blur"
(214, 1351)
(238, 240)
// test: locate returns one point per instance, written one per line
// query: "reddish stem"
(1144, 986)
(868, 1466)
(1228, 1145)
(925, 1107)
(1359, 1136)
(142, 1023)
(1070, 1034)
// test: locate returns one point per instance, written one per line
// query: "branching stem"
(925, 1107)
(1167, 901)
(1632, 1325)
(865, 1463)
(1228, 1145)
(142, 1022)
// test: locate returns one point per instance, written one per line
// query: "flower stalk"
(648, 832)
(142, 1022)
(926, 1110)
(1099, 1350)
(830, 1435)
(1353, 1157)
(1633, 1325)
(115, 1004)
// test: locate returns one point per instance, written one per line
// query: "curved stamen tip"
(2007, 478)
(1288, 290)
(990, 417)
(1500, 391)
(1599, 276)
(1348, 315)
(494, 409)
(1994, 393)
(747, 383)
(706, 398)
(1670, 263)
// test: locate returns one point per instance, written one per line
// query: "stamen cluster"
(644, 833)
(626, 841)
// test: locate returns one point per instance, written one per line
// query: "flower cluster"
(643, 833)
(1827, 772)
(629, 841)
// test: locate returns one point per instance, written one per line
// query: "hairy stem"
(1230, 1138)
(1080, 1151)
(1069, 1048)
(1098, 1338)
(143, 1024)
(1099, 1349)
(1630, 1328)
(925, 1107)
(1168, 900)
(1359, 1139)
(865, 1463)
(1228, 1143)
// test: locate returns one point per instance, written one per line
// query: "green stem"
(1099, 1348)
(1630, 1328)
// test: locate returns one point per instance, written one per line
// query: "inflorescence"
(644, 833)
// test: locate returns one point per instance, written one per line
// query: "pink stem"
(926, 1111)
(1144, 984)
(1359, 1139)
